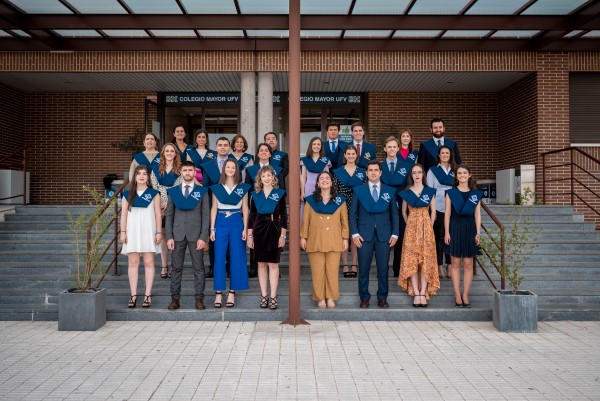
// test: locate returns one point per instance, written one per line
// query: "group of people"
(422, 206)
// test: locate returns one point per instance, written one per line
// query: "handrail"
(114, 242)
(501, 247)
(23, 164)
(574, 168)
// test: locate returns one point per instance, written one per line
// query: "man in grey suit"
(187, 223)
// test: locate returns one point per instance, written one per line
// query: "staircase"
(35, 263)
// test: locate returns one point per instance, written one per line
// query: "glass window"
(437, 7)
(77, 33)
(379, 7)
(21, 33)
(516, 34)
(266, 33)
(41, 7)
(126, 33)
(263, 6)
(98, 7)
(465, 34)
(209, 6)
(416, 34)
(325, 7)
(495, 7)
(4, 34)
(221, 33)
(154, 6)
(553, 7)
(174, 33)
(366, 34)
(592, 34)
(320, 34)
(572, 33)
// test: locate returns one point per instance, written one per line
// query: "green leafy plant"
(131, 144)
(88, 255)
(519, 238)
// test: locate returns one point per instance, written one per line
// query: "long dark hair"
(207, 146)
(309, 151)
(317, 194)
(472, 181)
(133, 184)
(237, 178)
(409, 179)
(451, 161)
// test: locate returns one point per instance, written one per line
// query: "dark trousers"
(365, 256)
(197, 263)
(398, 248)
(439, 231)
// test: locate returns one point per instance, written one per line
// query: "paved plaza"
(323, 361)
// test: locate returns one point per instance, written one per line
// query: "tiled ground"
(324, 361)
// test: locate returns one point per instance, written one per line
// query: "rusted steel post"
(294, 317)
(116, 239)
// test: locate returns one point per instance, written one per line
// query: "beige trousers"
(325, 268)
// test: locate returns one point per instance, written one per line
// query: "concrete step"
(537, 209)
(56, 210)
(486, 219)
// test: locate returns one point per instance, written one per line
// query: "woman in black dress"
(266, 231)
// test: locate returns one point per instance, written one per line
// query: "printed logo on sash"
(274, 197)
(244, 158)
(210, 155)
(324, 159)
(425, 198)
(473, 199)
(147, 197)
(196, 195)
(402, 171)
(239, 192)
(277, 157)
(360, 175)
(367, 155)
(386, 197)
(337, 200)
(411, 156)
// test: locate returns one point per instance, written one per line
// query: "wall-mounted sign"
(279, 99)
(189, 99)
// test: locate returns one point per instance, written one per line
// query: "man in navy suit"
(374, 228)
(428, 150)
(332, 144)
(366, 151)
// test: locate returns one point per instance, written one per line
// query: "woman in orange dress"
(418, 268)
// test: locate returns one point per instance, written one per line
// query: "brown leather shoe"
(364, 303)
(383, 304)
(200, 304)
(174, 304)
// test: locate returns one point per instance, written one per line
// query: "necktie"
(439, 143)
(221, 165)
(392, 167)
(358, 149)
(333, 146)
(374, 193)
(187, 191)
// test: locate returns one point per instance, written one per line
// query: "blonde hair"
(258, 185)
(162, 164)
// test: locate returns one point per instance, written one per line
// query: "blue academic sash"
(189, 203)
(395, 178)
(386, 195)
(142, 160)
(253, 170)
(358, 178)
(211, 168)
(441, 176)
(432, 147)
(267, 205)
(141, 201)
(315, 167)
(326, 208)
(243, 160)
(199, 160)
(234, 197)
(277, 157)
(368, 152)
(410, 160)
(166, 180)
(183, 154)
(413, 200)
(464, 208)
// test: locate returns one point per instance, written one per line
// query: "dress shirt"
(228, 207)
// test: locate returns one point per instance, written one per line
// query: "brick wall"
(470, 119)
(517, 123)
(12, 118)
(71, 135)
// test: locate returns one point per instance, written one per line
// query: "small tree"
(131, 144)
(520, 238)
(88, 256)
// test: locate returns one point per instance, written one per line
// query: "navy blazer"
(367, 224)
(427, 160)
(368, 152)
(333, 156)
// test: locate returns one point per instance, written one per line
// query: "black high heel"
(230, 304)
(132, 301)
(273, 304)
(465, 305)
(218, 304)
(423, 305)
(264, 301)
(147, 301)
(165, 272)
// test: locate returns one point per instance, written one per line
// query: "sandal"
(273, 304)
(220, 303)
(165, 272)
(345, 271)
(353, 273)
(132, 301)
(264, 301)
(147, 301)
(230, 304)
(425, 304)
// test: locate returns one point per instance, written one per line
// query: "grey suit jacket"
(190, 225)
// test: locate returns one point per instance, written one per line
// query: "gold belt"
(229, 213)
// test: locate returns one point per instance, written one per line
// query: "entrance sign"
(188, 99)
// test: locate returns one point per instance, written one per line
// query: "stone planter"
(81, 311)
(515, 313)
